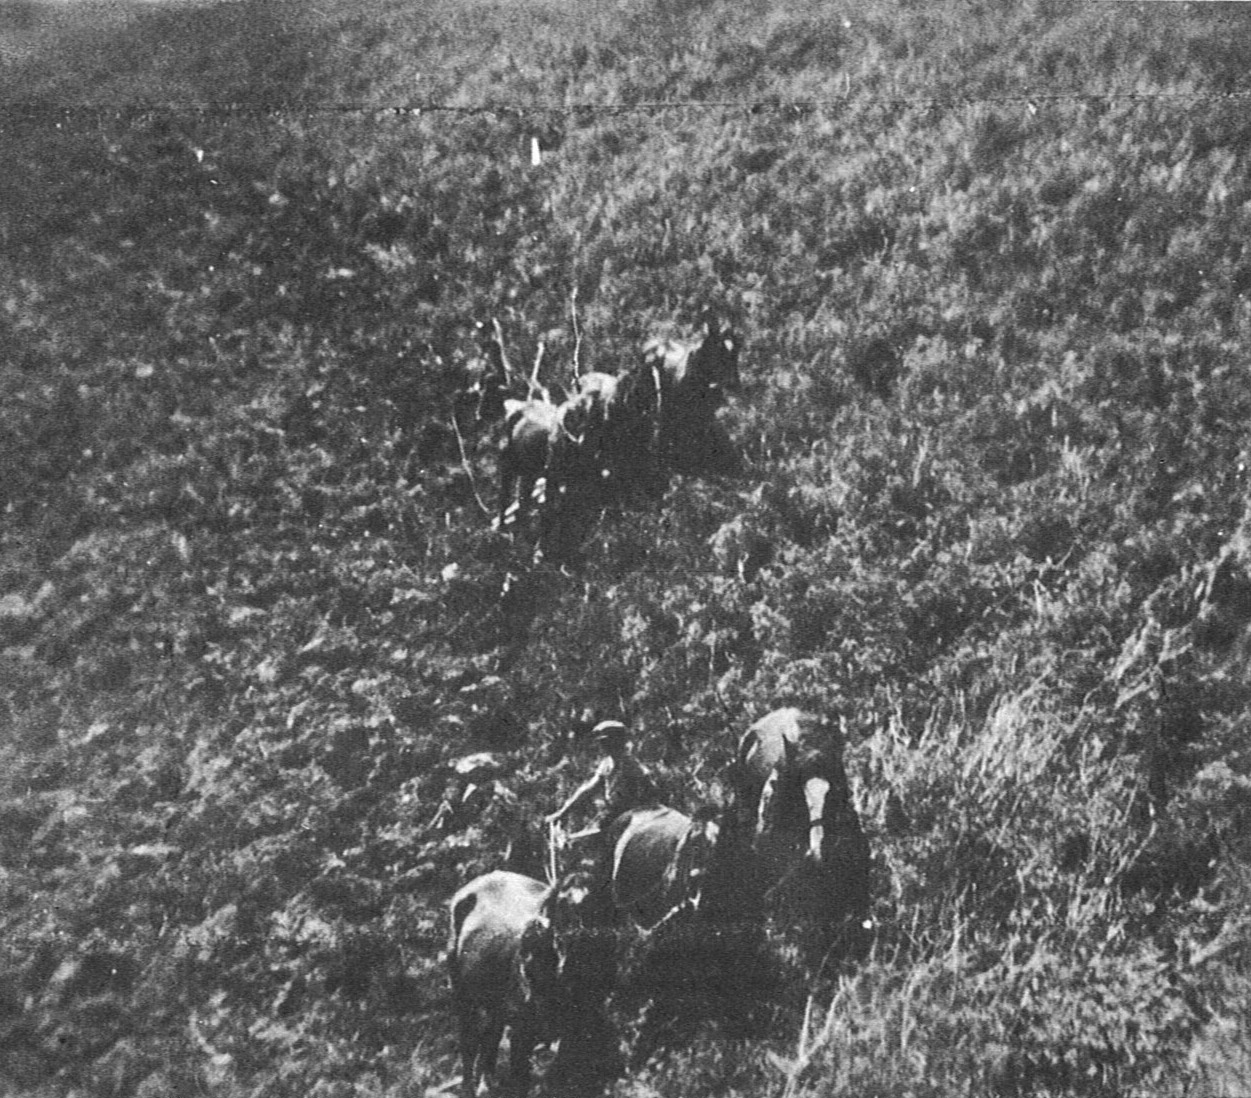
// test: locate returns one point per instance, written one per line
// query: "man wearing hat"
(619, 783)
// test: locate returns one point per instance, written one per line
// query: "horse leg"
(508, 482)
(659, 1029)
(525, 497)
(587, 1055)
(470, 1046)
(489, 1047)
(521, 1041)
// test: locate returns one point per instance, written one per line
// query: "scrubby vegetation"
(990, 266)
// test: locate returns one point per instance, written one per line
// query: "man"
(619, 783)
(472, 785)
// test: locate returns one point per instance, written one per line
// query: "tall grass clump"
(1011, 957)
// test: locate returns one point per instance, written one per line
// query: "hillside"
(989, 266)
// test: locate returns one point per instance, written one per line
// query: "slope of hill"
(989, 265)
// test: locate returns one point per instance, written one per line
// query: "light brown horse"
(504, 971)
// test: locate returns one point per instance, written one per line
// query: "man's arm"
(583, 793)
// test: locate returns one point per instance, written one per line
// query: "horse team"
(612, 437)
(786, 844)
(542, 959)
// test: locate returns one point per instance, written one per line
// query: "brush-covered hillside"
(990, 266)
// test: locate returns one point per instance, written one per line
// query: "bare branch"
(464, 460)
(577, 332)
(499, 342)
(533, 385)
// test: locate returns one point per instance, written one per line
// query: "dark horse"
(814, 856)
(690, 885)
(661, 414)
